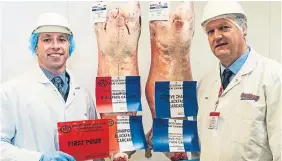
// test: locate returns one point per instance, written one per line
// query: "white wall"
(264, 30)
(1, 52)
(281, 30)
(275, 30)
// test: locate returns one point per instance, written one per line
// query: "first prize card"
(84, 140)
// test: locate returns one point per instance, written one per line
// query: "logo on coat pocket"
(65, 129)
(247, 96)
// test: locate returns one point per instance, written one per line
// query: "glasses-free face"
(226, 40)
(53, 51)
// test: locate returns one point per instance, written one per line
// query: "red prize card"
(87, 139)
(104, 94)
(114, 144)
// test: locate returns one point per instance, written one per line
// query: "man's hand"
(57, 156)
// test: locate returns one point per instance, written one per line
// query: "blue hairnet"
(33, 40)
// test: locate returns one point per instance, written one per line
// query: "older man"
(239, 115)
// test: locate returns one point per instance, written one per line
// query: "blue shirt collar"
(50, 75)
(236, 66)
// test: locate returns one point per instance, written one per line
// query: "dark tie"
(227, 73)
(58, 82)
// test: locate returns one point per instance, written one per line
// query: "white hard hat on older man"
(221, 9)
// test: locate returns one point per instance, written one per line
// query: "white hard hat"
(52, 22)
(218, 8)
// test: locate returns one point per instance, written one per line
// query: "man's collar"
(237, 65)
(50, 75)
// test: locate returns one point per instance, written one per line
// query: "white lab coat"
(248, 130)
(31, 108)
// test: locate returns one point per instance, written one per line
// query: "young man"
(35, 101)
